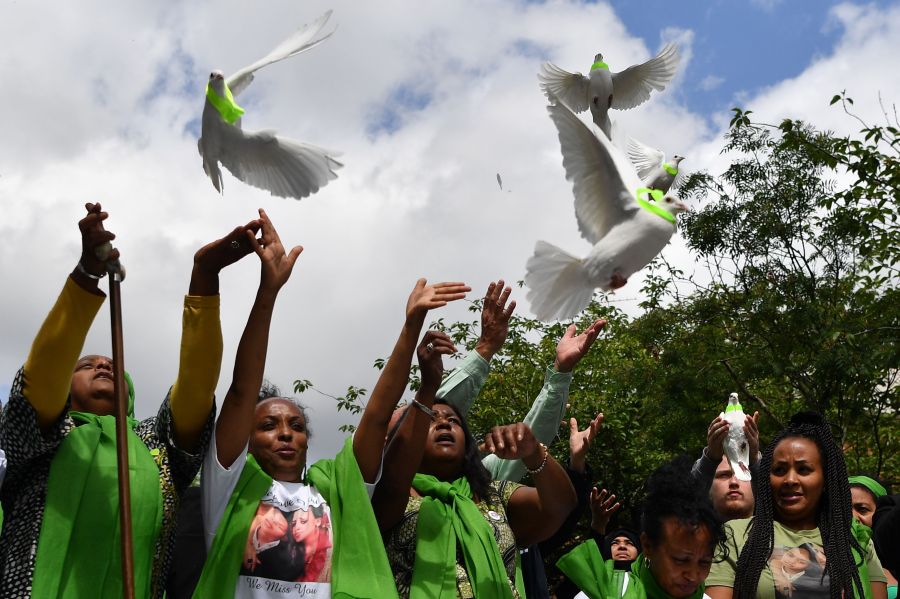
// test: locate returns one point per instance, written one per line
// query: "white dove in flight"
(652, 167)
(628, 223)
(603, 89)
(283, 167)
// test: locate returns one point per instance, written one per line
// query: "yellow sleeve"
(198, 368)
(55, 351)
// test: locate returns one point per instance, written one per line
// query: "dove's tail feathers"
(559, 287)
(211, 168)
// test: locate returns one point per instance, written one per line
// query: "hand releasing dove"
(628, 224)
(602, 89)
(652, 167)
(283, 167)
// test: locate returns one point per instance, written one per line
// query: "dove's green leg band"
(657, 195)
(226, 106)
(672, 170)
(599, 65)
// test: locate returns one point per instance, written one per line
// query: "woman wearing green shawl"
(450, 531)
(274, 529)
(681, 531)
(60, 535)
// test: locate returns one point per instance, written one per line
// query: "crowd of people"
(413, 505)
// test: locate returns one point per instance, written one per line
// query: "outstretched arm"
(549, 407)
(464, 384)
(235, 422)
(56, 348)
(535, 513)
(404, 452)
(368, 441)
(200, 360)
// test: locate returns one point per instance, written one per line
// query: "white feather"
(633, 85)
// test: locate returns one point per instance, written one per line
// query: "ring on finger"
(430, 347)
(235, 244)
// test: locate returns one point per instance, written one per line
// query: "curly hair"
(833, 514)
(478, 476)
(673, 493)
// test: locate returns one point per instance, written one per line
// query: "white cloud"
(711, 82)
(103, 109)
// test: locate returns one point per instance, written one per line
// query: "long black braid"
(833, 515)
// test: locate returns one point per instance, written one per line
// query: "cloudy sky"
(427, 101)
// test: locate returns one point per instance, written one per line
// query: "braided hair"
(833, 514)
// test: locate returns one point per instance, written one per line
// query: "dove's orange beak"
(682, 206)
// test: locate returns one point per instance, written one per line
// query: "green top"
(656, 195)
(795, 565)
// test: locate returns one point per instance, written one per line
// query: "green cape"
(79, 547)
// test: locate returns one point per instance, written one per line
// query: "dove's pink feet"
(617, 280)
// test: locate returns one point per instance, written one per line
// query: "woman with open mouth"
(803, 508)
(275, 528)
(450, 531)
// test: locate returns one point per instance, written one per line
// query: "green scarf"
(586, 568)
(448, 516)
(863, 534)
(359, 567)
(79, 547)
(870, 483)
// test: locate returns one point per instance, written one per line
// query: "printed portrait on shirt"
(798, 572)
(290, 538)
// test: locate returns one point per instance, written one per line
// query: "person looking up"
(60, 535)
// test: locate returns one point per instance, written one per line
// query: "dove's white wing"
(302, 39)
(603, 181)
(644, 158)
(571, 88)
(283, 167)
(633, 85)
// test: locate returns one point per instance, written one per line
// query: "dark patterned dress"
(24, 491)
(400, 541)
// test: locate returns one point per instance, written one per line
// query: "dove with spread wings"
(263, 159)
(652, 167)
(602, 89)
(628, 223)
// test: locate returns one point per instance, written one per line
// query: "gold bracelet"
(543, 462)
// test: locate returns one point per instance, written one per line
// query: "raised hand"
(512, 442)
(751, 429)
(434, 344)
(603, 506)
(495, 315)
(580, 441)
(216, 255)
(93, 237)
(426, 297)
(571, 348)
(276, 263)
(715, 438)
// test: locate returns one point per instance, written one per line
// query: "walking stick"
(116, 276)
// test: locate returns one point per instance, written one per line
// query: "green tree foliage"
(792, 301)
